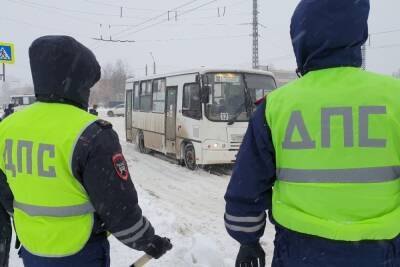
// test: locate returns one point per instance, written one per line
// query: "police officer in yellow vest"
(70, 181)
(322, 153)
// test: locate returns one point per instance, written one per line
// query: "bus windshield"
(227, 97)
(259, 85)
(228, 94)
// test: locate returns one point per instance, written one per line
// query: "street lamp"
(154, 63)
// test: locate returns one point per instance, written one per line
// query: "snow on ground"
(187, 206)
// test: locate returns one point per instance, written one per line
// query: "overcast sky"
(199, 36)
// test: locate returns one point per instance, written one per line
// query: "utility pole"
(364, 52)
(364, 56)
(255, 35)
(154, 63)
(4, 73)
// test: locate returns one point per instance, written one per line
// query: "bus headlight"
(214, 145)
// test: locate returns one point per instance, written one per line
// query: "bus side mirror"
(205, 94)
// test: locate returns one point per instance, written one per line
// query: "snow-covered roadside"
(184, 205)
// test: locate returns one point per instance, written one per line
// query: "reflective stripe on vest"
(68, 211)
(359, 175)
(336, 135)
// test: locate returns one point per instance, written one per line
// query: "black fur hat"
(63, 70)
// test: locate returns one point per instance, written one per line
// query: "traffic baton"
(141, 261)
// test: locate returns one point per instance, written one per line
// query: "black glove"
(157, 246)
(250, 256)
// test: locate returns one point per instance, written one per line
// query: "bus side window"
(159, 95)
(191, 105)
(145, 96)
(136, 97)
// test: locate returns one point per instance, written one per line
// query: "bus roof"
(201, 71)
(21, 95)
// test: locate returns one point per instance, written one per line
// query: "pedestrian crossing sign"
(7, 53)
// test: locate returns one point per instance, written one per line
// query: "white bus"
(198, 117)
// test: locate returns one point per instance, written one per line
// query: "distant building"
(282, 77)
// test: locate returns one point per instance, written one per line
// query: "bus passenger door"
(128, 115)
(170, 119)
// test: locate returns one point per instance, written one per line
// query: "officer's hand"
(157, 246)
(250, 256)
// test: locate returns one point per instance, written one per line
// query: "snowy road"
(184, 205)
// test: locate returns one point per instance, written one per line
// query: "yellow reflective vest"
(336, 134)
(52, 212)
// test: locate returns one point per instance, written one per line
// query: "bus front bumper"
(218, 156)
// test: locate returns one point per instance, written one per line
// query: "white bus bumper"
(218, 156)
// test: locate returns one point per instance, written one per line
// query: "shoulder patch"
(104, 124)
(120, 166)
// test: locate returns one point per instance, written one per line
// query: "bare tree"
(111, 86)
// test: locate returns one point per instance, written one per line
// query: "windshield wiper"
(247, 98)
(237, 114)
(248, 104)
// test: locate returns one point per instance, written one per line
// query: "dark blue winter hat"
(329, 33)
(63, 70)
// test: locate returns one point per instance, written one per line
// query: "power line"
(176, 39)
(196, 38)
(40, 26)
(165, 20)
(128, 32)
(155, 17)
(385, 32)
(385, 46)
(364, 46)
(200, 18)
(35, 6)
(237, 3)
(148, 20)
(221, 17)
(126, 7)
(280, 58)
(76, 11)
(114, 41)
(213, 24)
(28, 24)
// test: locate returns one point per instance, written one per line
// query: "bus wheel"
(190, 157)
(110, 113)
(141, 145)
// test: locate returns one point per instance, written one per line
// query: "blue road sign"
(7, 53)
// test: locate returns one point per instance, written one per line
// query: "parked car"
(118, 110)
